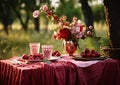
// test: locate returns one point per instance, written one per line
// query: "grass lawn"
(17, 42)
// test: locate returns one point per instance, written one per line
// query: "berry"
(25, 56)
(31, 58)
(83, 54)
(93, 55)
(97, 54)
(53, 53)
(88, 55)
(92, 51)
(87, 50)
(58, 54)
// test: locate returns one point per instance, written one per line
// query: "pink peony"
(36, 13)
(45, 8)
(77, 28)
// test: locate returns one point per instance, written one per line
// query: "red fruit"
(37, 58)
(92, 51)
(31, 57)
(87, 50)
(83, 54)
(25, 56)
(97, 54)
(37, 55)
(93, 55)
(88, 55)
(41, 56)
(53, 53)
(58, 54)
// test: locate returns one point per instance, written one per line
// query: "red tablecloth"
(105, 72)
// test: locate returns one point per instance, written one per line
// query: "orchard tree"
(112, 13)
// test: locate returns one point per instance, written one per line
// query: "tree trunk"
(112, 12)
(88, 14)
(24, 25)
(36, 21)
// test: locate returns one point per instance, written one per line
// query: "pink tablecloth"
(105, 72)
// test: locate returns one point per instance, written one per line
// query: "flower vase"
(69, 47)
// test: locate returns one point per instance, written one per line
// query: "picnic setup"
(65, 59)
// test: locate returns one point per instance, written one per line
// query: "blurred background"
(18, 27)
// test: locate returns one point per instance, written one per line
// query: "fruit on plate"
(25, 56)
(87, 53)
(32, 57)
(56, 53)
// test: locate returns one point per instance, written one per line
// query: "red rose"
(56, 17)
(49, 13)
(64, 33)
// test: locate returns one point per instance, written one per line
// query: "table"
(63, 72)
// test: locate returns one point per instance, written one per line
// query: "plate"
(53, 58)
(34, 60)
(88, 59)
(45, 59)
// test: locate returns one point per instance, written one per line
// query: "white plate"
(52, 58)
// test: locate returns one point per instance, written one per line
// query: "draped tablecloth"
(61, 72)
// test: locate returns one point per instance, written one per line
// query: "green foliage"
(98, 13)
(70, 9)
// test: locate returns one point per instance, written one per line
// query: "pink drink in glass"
(47, 50)
(34, 48)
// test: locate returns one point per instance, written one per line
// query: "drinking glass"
(34, 48)
(47, 50)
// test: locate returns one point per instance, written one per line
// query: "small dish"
(88, 59)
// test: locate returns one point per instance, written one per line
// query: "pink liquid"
(34, 48)
(47, 52)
